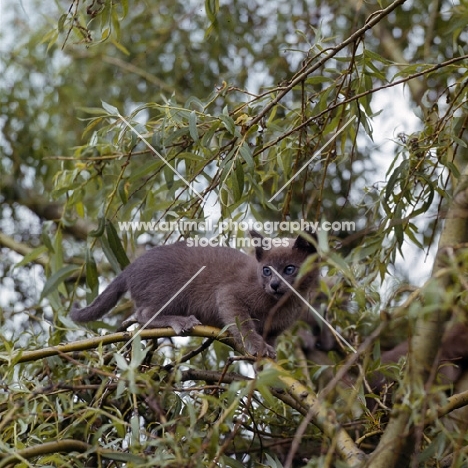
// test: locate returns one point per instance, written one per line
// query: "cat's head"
(279, 262)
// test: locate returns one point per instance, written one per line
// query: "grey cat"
(233, 289)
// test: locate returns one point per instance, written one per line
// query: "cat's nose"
(275, 284)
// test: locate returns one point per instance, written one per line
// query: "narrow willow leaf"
(31, 256)
(246, 154)
(193, 126)
(123, 191)
(228, 124)
(110, 109)
(92, 277)
(237, 181)
(116, 245)
(99, 231)
(57, 278)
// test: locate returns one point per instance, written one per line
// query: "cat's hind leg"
(179, 323)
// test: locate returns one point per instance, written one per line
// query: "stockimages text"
(228, 225)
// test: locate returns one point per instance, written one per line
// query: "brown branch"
(398, 441)
(459, 400)
(43, 208)
(194, 352)
(22, 249)
(66, 445)
(42, 259)
(212, 376)
(91, 343)
(322, 416)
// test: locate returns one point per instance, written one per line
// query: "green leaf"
(91, 110)
(228, 124)
(121, 47)
(116, 245)
(317, 80)
(232, 462)
(31, 256)
(110, 109)
(452, 167)
(99, 231)
(246, 154)
(110, 254)
(57, 259)
(237, 181)
(138, 352)
(145, 170)
(193, 126)
(105, 34)
(61, 22)
(92, 278)
(121, 362)
(123, 192)
(389, 189)
(57, 278)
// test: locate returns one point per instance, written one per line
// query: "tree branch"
(91, 343)
(397, 442)
(66, 445)
(22, 249)
(323, 417)
(43, 208)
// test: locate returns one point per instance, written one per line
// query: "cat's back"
(182, 257)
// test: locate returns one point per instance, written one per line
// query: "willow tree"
(118, 112)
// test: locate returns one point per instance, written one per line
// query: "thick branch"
(91, 343)
(459, 400)
(397, 440)
(43, 208)
(22, 249)
(66, 445)
(323, 417)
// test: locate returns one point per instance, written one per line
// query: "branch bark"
(66, 445)
(22, 249)
(43, 208)
(398, 444)
(91, 343)
(323, 417)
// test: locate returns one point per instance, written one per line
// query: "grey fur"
(231, 290)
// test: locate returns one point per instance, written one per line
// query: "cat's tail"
(103, 303)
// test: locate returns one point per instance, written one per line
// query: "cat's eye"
(266, 271)
(290, 269)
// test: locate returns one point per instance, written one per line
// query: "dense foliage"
(115, 112)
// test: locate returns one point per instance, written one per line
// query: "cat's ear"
(302, 243)
(257, 242)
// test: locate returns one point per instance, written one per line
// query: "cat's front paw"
(261, 349)
(184, 324)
